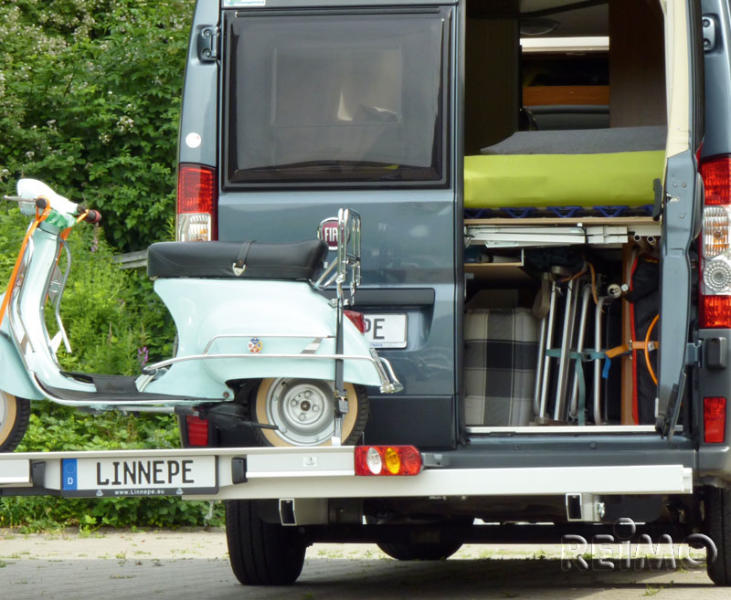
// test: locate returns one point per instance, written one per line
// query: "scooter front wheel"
(303, 413)
(14, 417)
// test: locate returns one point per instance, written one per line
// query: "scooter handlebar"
(92, 216)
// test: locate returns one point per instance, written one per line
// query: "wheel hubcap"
(302, 410)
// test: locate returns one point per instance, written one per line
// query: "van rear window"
(312, 98)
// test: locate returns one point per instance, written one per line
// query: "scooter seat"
(297, 261)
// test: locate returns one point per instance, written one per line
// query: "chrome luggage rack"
(344, 272)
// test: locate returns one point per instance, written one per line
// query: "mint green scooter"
(259, 342)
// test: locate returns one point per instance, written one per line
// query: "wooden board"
(543, 95)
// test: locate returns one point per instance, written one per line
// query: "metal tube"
(568, 317)
(547, 359)
(598, 418)
(586, 295)
(539, 366)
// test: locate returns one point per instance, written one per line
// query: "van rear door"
(682, 202)
(347, 106)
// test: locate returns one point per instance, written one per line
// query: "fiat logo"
(328, 232)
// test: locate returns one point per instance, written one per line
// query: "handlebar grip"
(93, 216)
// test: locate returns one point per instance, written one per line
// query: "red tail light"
(715, 312)
(197, 203)
(356, 319)
(716, 174)
(197, 430)
(714, 420)
(715, 296)
(387, 460)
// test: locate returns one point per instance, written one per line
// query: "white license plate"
(386, 331)
(139, 476)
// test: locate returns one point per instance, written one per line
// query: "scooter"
(259, 343)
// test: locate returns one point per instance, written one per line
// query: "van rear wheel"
(302, 412)
(14, 417)
(261, 553)
(718, 528)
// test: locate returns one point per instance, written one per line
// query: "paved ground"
(193, 565)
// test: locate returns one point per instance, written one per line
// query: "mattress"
(589, 167)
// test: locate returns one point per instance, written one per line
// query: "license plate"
(140, 476)
(386, 331)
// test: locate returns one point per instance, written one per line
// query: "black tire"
(267, 411)
(261, 553)
(406, 551)
(718, 528)
(14, 417)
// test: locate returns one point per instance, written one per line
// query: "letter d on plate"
(69, 474)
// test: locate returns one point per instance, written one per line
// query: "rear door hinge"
(208, 39)
(693, 354)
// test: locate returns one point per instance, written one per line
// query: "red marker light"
(387, 460)
(197, 431)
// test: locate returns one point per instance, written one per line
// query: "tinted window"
(319, 98)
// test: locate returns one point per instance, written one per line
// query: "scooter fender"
(274, 329)
(14, 378)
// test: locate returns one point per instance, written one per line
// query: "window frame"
(442, 144)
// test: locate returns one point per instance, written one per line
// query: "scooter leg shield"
(13, 377)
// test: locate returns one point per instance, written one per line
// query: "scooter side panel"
(13, 376)
(252, 317)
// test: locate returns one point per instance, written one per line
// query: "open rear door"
(681, 202)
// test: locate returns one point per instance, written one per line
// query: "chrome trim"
(59, 296)
(313, 336)
(572, 429)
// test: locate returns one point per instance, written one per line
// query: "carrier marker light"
(197, 203)
(197, 431)
(387, 460)
(714, 420)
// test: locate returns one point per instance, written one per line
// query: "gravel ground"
(178, 565)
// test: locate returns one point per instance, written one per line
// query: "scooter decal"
(255, 345)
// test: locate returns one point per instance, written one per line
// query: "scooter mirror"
(30, 189)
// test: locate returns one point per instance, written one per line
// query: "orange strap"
(632, 345)
(14, 275)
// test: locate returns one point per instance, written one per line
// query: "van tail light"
(356, 319)
(197, 206)
(197, 430)
(387, 460)
(714, 420)
(715, 288)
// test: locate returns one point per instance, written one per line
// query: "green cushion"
(541, 180)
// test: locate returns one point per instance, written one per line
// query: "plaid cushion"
(501, 350)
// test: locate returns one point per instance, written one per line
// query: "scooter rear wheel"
(14, 417)
(302, 411)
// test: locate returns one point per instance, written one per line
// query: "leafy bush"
(110, 316)
(90, 91)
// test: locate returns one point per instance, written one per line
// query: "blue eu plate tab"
(69, 470)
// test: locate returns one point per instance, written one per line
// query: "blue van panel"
(407, 236)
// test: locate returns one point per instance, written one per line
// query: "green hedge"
(115, 322)
(90, 95)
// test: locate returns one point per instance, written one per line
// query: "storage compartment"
(562, 333)
(562, 170)
(501, 346)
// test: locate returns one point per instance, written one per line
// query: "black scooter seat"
(297, 261)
